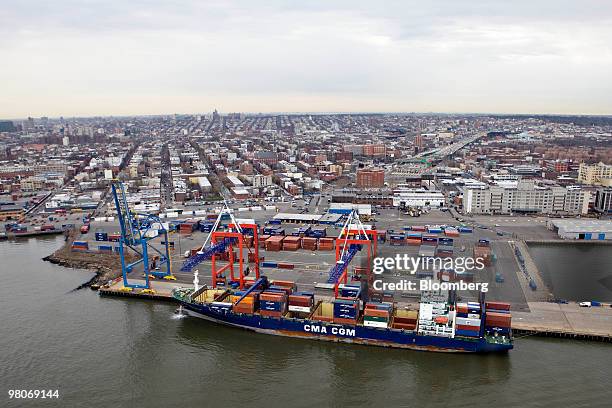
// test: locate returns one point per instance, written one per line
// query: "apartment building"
(599, 174)
(260, 180)
(526, 197)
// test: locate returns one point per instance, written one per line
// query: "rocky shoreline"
(106, 266)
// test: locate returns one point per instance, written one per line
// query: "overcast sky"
(89, 57)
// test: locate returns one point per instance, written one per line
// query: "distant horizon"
(316, 113)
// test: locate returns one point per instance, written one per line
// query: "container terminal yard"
(289, 252)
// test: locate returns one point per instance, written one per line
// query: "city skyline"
(148, 58)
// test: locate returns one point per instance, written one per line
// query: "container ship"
(439, 323)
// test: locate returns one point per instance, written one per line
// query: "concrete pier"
(564, 320)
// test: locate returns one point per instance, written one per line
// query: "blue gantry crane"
(340, 267)
(206, 253)
(138, 232)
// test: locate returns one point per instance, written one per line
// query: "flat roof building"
(582, 229)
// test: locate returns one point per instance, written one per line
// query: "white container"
(382, 325)
(467, 322)
(299, 309)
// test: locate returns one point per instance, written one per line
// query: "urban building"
(417, 198)
(526, 197)
(370, 178)
(599, 174)
(582, 229)
(603, 200)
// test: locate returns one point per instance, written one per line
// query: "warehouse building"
(597, 230)
(417, 198)
(297, 218)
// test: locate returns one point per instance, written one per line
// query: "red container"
(262, 240)
(273, 296)
(274, 243)
(290, 246)
(285, 266)
(375, 312)
(344, 321)
(497, 305)
(270, 313)
(466, 327)
(404, 326)
(405, 320)
(309, 243)
(288, 284)
(299, 300)
(244, 307)
(498, 319)
(462, 309)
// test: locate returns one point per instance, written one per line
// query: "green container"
(375, 319)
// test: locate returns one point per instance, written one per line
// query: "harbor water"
(579, 272)
(107, 352)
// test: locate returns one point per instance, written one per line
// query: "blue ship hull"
(317, 330)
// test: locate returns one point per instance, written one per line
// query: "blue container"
(101, 236)
(270, 306)
(221, 308)
(345, 211)
(350, 291)
(206, 227)
(269, 265)
(467, 333)
(105, 248)
(465, 230)
(274, 221)
(318, 232)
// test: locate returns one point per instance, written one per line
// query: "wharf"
(162, 290)
(564, 320)
(567, 242)
(27, 234)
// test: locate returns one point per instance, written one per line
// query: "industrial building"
(599, 230)
(526, 197)
(599, 174)
(417, 198)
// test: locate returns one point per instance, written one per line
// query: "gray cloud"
(116, 57)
